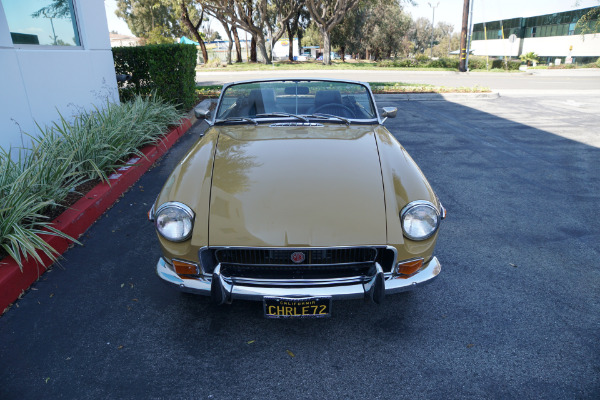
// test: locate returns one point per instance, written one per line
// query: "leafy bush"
(598, 62)
(98, 140)
(512, 65)
(444, 62)
(36, 179)
(386, 63)
(169, 70)
(477, 62)
(422, 59)
(529, 58)
(407, 63)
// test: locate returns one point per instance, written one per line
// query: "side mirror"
(202, 113)
(389, 112)
(202, 110)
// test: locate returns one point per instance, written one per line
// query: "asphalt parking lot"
(515, 312)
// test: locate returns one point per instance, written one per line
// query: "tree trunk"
(238, 47)
(326, 47)
(194, 29)
(291, 41)
(253, 57)
(228, 33)
(229, 50)
(262, 48)
(343, 53)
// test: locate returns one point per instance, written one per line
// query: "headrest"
(327, 97)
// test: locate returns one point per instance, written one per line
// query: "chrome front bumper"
(224, 289)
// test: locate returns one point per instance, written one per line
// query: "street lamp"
(432, 27)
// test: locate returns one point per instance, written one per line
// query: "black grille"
(287, 272)
(277, 263)
(283, 257)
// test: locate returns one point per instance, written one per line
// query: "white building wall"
(496, 47)
(281, 50)
(551, 46)
(38, 82)
(558, 46)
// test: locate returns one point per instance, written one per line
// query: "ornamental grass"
(35, 180)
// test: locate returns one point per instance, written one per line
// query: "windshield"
(299, 98)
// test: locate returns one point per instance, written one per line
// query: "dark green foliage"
(420, 62)
(169, 70)
(422, 58)
(477, 62)
(513, 65)
(444, 63)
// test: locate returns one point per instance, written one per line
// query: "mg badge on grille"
(297, 257)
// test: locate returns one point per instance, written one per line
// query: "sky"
(448, 10)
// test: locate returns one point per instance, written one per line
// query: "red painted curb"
(76, 220)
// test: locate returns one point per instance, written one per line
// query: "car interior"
(294, 100)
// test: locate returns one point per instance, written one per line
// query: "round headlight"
(420, 219)
(174, 221)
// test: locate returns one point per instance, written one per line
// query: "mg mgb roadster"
(297, 195)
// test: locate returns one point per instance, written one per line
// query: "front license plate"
(291, 307)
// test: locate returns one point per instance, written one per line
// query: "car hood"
(296, 186)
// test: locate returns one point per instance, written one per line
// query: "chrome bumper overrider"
(225, 289)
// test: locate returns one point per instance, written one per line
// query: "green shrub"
(477, 62)
(29, 184)
(512, 65)
(529, 58)
(444, 62)
(169, 70)
(386, 63)
(406, 63)
(598, 62)
(422, 59)
(35, 179)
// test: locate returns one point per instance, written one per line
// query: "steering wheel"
(335, 109)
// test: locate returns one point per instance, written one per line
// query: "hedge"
(475, 62)
(513, 65)
(169, 70)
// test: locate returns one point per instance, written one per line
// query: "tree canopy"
(372, 28)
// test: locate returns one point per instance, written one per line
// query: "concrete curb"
(439, 96)
(77, 219)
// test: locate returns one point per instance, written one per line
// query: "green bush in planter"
(167, 69)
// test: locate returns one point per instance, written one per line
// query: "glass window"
(43, 22)
(572, 28)
(563, 30)
(552, 30)
(534, 31)
(270, 99)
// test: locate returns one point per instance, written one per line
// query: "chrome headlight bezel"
(187, 217)
(420, 205)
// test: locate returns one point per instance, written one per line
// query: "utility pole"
(462, 66)
(470, 34)
(432, 28)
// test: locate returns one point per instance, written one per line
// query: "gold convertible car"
(295, 196)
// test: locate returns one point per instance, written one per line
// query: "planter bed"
(81, 215)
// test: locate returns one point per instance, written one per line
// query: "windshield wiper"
(328, 116)
(283, 114)
(238, 119)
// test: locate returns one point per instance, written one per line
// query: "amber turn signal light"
(408, 268)
(185, 268)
